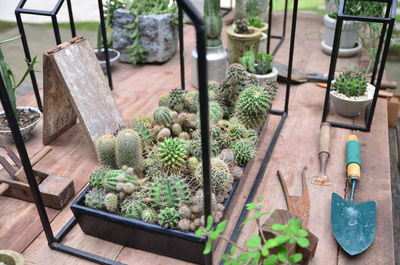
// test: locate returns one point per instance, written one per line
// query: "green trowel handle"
(353, 159)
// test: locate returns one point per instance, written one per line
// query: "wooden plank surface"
(137, 89)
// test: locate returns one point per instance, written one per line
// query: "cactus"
(144, 133)
(184, 211)
(176, 129)
(96, 179)
(227, 156)
(271, 87)
(187, 120)
(192, 163)
(105, 149)
(350, 84)
(184, 136)
(186, 144)
(169, 192)
(128, 148)
(163, 101)
(216, 112)
(252, 136)
(236, 131)
(197, 150)
(244, 151)
(133, 206)
(183, 225)
(236, 172)
(111, 202)
(162, 115)
(142, 119)
(252, 106)
(119, 180)
(171, 154)
(163, 134)
(191, 102)
(241, 21)
(212, 86)
(149, 215)
(168, 218)
(198, 206)
(95, 199)
(176, 99)
(221, 178)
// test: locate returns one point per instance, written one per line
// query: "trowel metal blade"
(353, 226)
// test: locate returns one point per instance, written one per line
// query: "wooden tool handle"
(385, 84)
(353, 159)
(325, 138)
(20, 175)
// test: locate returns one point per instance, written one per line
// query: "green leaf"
(296, 225)
(199, 232)
(233, 250)
(295, 258)
(271, 243)
(209, 223)
(301, 233)
(248, 220)
(271, 260)
(243, 258)
(278, 227)
(260, 199)
(281, 239)
(208, 247)
(303, 242)
(224, 256)
(282, 254)
(251, 206)
(264, 250)
(213, 235)
(254, 241)
(221, 226)
(292, 240)
(255, 255)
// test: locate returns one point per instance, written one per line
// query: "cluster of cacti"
(154, 172)
(350, 83)
(271, 87)
(252, 106)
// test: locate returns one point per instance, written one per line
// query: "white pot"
(352, 106)
(113, 54)
(262, 47)
(262, 79)
(349, 34)
(26, 131)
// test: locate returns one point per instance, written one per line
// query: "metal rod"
(19, 142)
(278, 45)
(33, 12)
(57, 7)
(181, 47)
(65, 230)
(83, 254)
(71, 19)
(353, 188)
(348, 126)
(56, 29)
(269, 26)
(28, 56)
(105, 43)
(284, 19)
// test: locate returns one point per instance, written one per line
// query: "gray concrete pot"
(262, 79)
(351, 106)
(349, 34)
(10, 257)
(26, 131)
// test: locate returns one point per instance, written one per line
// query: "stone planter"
(113, 54)
(238, 44)
(157, 35)
(10, 257)
(352, 106)
(262, 79)
(26, 131)
(216, 64)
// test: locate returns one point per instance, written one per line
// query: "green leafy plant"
(264, 62)
(9, 77)
(256, 22)
(350, 83)
(258, 248)
(248, 60)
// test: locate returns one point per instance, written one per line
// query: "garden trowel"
(353, 224)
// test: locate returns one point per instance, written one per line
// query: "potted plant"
(255, 12)
(99, 51)
(351, 93)
(144, 31)
(27, 117)
(263, 69)
(240, 36)
(10, 257)
(215, 53)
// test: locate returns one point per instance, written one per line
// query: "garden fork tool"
(323, 154)
(353, 224)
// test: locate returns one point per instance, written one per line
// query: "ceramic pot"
(216, 64)
(262, 47)
(10, 257)
(114, 55)
(262, 79)
(238, 43)
(26, 131)
(352, 106)
(349, 34)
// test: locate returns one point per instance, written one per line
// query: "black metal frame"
(380, 58)
(183, 5)
(53, 14)
(281, 37)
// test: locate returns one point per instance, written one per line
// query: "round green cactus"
(168, 218)
(128, 149)
(176, 99)
(192, 163)
(144, 133)
(163, 101)
(133, 206)
(169, 192)
(105, 149)
(197, 150)
(350, 83)
(252, 136)
(162, 115)
(244, 151)
(95, 199)
(96, 179)
(171, 154)
(119, 180)
(271, 87)
(111, 202)
(145, 120)
(252, 106)
(149, 215)
(221, 178)
(236, 131)
(227, 156)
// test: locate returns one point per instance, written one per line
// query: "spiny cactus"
(227, 156)
(142, 119)
(186, 144)
(163, 134)
(252, 106)
(221, 178)
(236, 172)
(188, 121)
(105, 148)
(176, 129)
(149, 215)
(176, 99)
(351, 84)
(119, 180)
(162, 115)
(168, 218)
(198, 207)
(236, 131)
(215, 112)
(169, 192)
(183, 225)
(111, 202)
(244, 151)
(171, 154)
(271, 87)
(144, 133)
(252, 136)
(192, 163)
(184, 211)
(133, 206)
(96, 179)
(184, 136)
(213, 86)
(197, 150)
(163, 101)
(95, 199)
(128, 148)
(191, 102)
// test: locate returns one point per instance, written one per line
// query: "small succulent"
(171, 154)
(197, 147)
(176, 99)
(162, 115)
(111, 202)
(119, 180)
(350, 83)
(169, 192)
(133, 206)
(95, 199)
(163, 101)
(236, 131)
(244, 151)
(105, 149)
(168, 218)
(96, 179)
(149, 215)
(128, 148)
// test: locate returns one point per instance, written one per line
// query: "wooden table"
(137, 89)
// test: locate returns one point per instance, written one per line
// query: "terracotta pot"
(238, 44)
